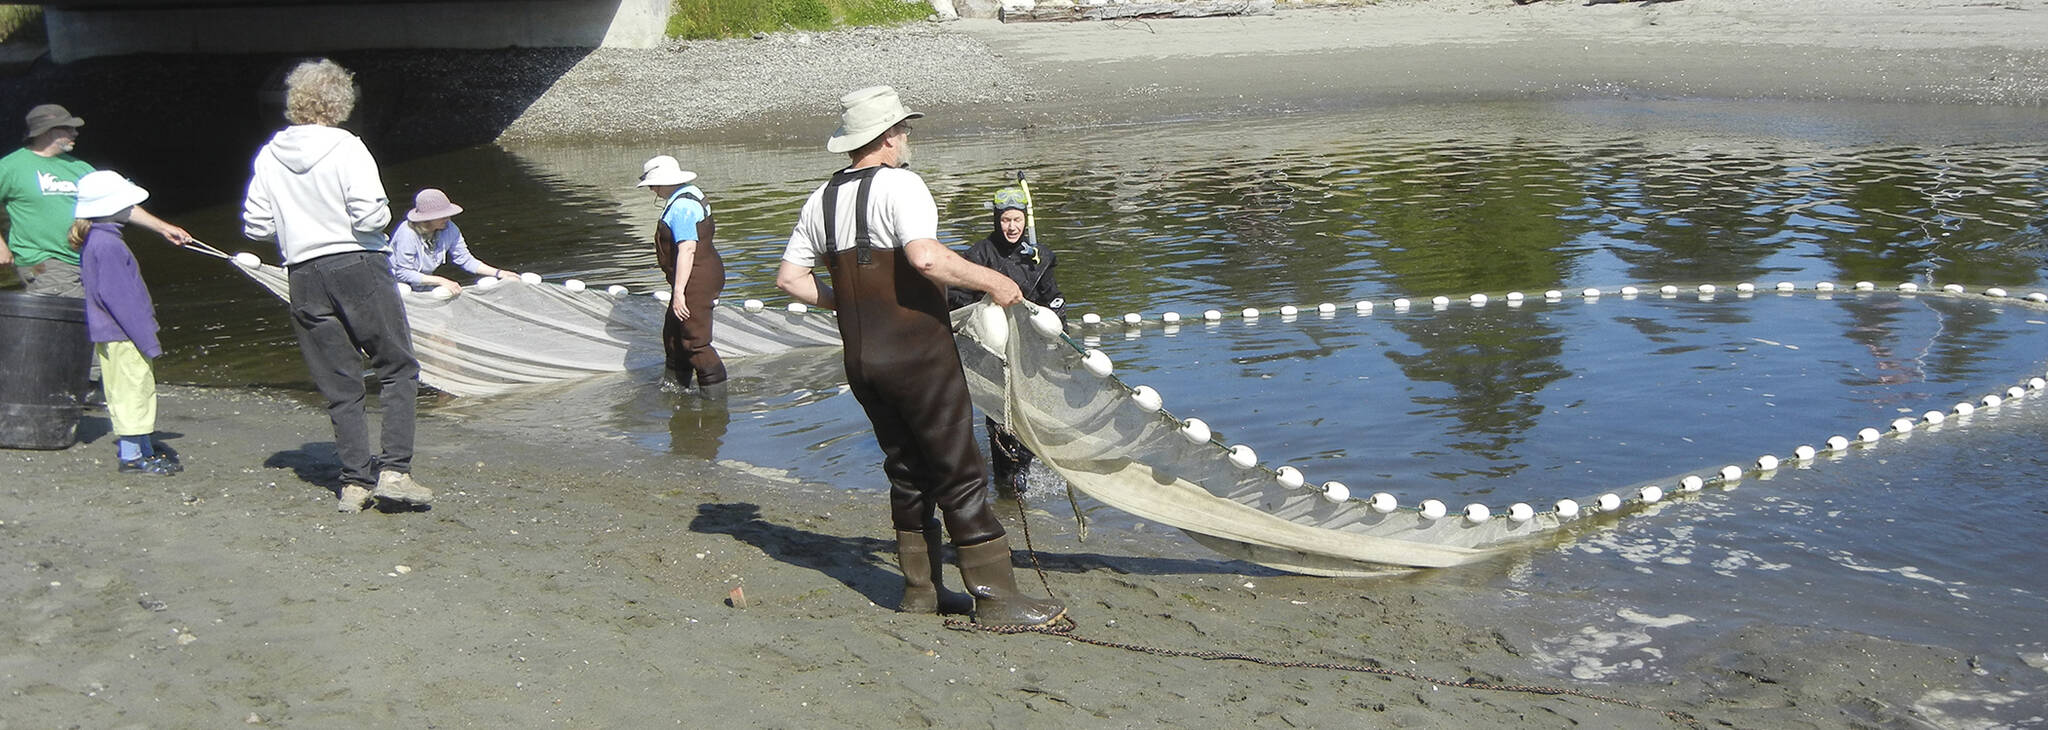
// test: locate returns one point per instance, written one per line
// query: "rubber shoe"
(398, 486)
(354, 497)
(145, 465)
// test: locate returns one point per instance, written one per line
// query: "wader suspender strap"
(862, 241)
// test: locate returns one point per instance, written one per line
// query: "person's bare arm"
(177, 236)
(798, 282)
(946, 268)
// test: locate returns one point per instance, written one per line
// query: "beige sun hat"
(47, 116)
(865, 115)
(664, 170)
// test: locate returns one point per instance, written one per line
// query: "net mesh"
(513, 333)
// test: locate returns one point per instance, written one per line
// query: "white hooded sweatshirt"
(315, 191)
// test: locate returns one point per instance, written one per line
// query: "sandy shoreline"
(565, 579)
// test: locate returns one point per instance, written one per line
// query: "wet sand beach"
(567, 579)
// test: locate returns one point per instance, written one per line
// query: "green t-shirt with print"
(41, 195)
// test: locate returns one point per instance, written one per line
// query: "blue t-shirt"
(683, 213)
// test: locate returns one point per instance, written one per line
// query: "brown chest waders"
(903, 367)
(687, 343)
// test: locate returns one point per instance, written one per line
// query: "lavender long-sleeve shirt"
(117, 304)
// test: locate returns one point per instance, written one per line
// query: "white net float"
(1691, 483)
(1478, 300)
(616, 290)
(1786, 286)
(1865, 286)
(1212, 315)
(1964, 409)
(1195, 431)
(1628, 291)
(1868, 435)
(1363, 306)
(1044, 320)
(1091, 318)
(1991, 401)
(1170, 317)
(1243, 457)
(1746, 287)
(2037, 383)
(1336, 492)
(1766, 462)
(1514, 296)
(530, 277)
(1994, 292)
(1590, 293)
(1952, 288)
(1250, 313)
(1432, 509)
(247, 260)
(800, 308)
(1837, 442)
(1608, 502)
(1553, 295)
(1288, 477)
(1383, 502)
(1289, 310)
(2015, 392)
(1326, 308)
(487, 284)
(442, 292)
(1147, 398)
(1902, 425)
(1731, 473)
(661, 294)
(1521, 512)
(1933, 417)
(1909, 287)
(1804, 453)
(1707, 289)
(1668, 290)
(1401, 303)
(2037, 297)
(575, 285)
(1824, 286)
(1440, 301)
(754, 305)
(1097, 363)
(1652, 494)
(1476, 513)
(1567, 508)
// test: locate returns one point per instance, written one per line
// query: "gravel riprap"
(698, 85)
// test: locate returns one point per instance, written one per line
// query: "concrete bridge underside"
(88, 28)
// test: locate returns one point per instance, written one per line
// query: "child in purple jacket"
(120, 320)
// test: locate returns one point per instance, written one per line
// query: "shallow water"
(1917, 539)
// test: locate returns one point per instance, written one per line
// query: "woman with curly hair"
(316, 191)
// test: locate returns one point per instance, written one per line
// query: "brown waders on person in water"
(903, 367)
(687, 342)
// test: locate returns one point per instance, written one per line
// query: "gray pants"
(52, 278)
(345, 306)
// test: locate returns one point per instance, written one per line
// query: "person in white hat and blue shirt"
(120, 320)
(874, 226)
(695, 273)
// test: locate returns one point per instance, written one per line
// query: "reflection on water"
(1497, 403)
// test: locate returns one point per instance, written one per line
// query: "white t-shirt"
(902, 208)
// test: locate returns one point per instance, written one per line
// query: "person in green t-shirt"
(39, 186)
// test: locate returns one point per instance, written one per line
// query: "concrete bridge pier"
(81, 29)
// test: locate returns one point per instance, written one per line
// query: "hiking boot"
(353, 498)
(145, 465)
(398, 486)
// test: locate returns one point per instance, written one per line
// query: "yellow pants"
(130, 385)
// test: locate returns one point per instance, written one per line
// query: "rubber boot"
(922, 576)
(993, 583)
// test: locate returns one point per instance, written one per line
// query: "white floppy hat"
(105, 192)
(664, 170)
(865, 115)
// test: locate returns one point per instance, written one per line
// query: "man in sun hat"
(682, 246)
(875, 228)
(39, 186)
